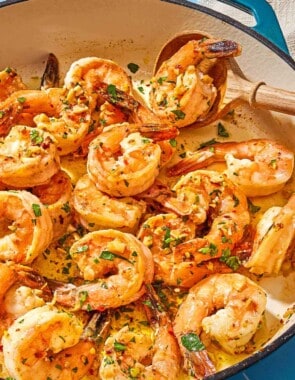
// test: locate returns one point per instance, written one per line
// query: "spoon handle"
(272, 98)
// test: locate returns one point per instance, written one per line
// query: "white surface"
(285, 11)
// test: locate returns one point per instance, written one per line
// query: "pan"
(131, 33)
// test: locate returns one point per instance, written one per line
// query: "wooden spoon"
(232, 87)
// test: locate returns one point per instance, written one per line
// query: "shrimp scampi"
(227, 308)
(117, 266)
(25, 226)
(28, 157)
(45, 342)
(95, 210)
(162, 233)
(274, 234)
(131, 354)
(210, 197)
(259, 166)
(181, 93)
(123, 154)
(56, 196)
(123, 254)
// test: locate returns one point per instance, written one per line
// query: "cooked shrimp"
(23, 105)
(208, 196)
(134, 354)
(95, 210)
(71, 126)
(117, 266)
(10, 82)
(92, 71)
(274, 233)
(28, 157)
(25, 228)
(227, 308)
(44, 343)
(21, 289)
(259, 166)
(56, 196)
(181, 93)
(162, 234)
(121, 157)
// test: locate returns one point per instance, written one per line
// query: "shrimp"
(26, 227)
(93, 71)
(21, 289)
(274, 234)
(121, 157)
(258, 166)
(28, 157)
(45, 342)
(227, 308)
(180, 92)
(95, 210)
(73, 122)
(133, 354)
(117, 266)
(23, 105)
(162, 234)
(56, 196)
(208, 196)
(10, 82)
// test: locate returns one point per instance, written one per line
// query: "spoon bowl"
(232, 87)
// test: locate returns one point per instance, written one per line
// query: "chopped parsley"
(36, 209)
(192, 342)
(180, 115)
(35, 137)
(253, 208)
(221, 131)
(133, 67)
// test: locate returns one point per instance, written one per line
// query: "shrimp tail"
(32, 279)
(50, 77)
(159, 132)
(153, 306)
(119, 98)
(220, 49)
(199, 364)
(192, 161)
(98, 327)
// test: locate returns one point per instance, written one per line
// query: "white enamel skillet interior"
(133, 31)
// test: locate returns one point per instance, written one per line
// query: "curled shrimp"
(95, 210)
(134, 354)
(56, 196)
(208, 196)
(121, 156)
(117, 265)
(162, 234)
(93, 71)
(181, 93)
(45, 342)
(72, 123)
(77, 119)
(28, 157)
(23, 105)
(26, 227)
(259, 166)
(10, 82)
(224, 307)
(274, 234)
